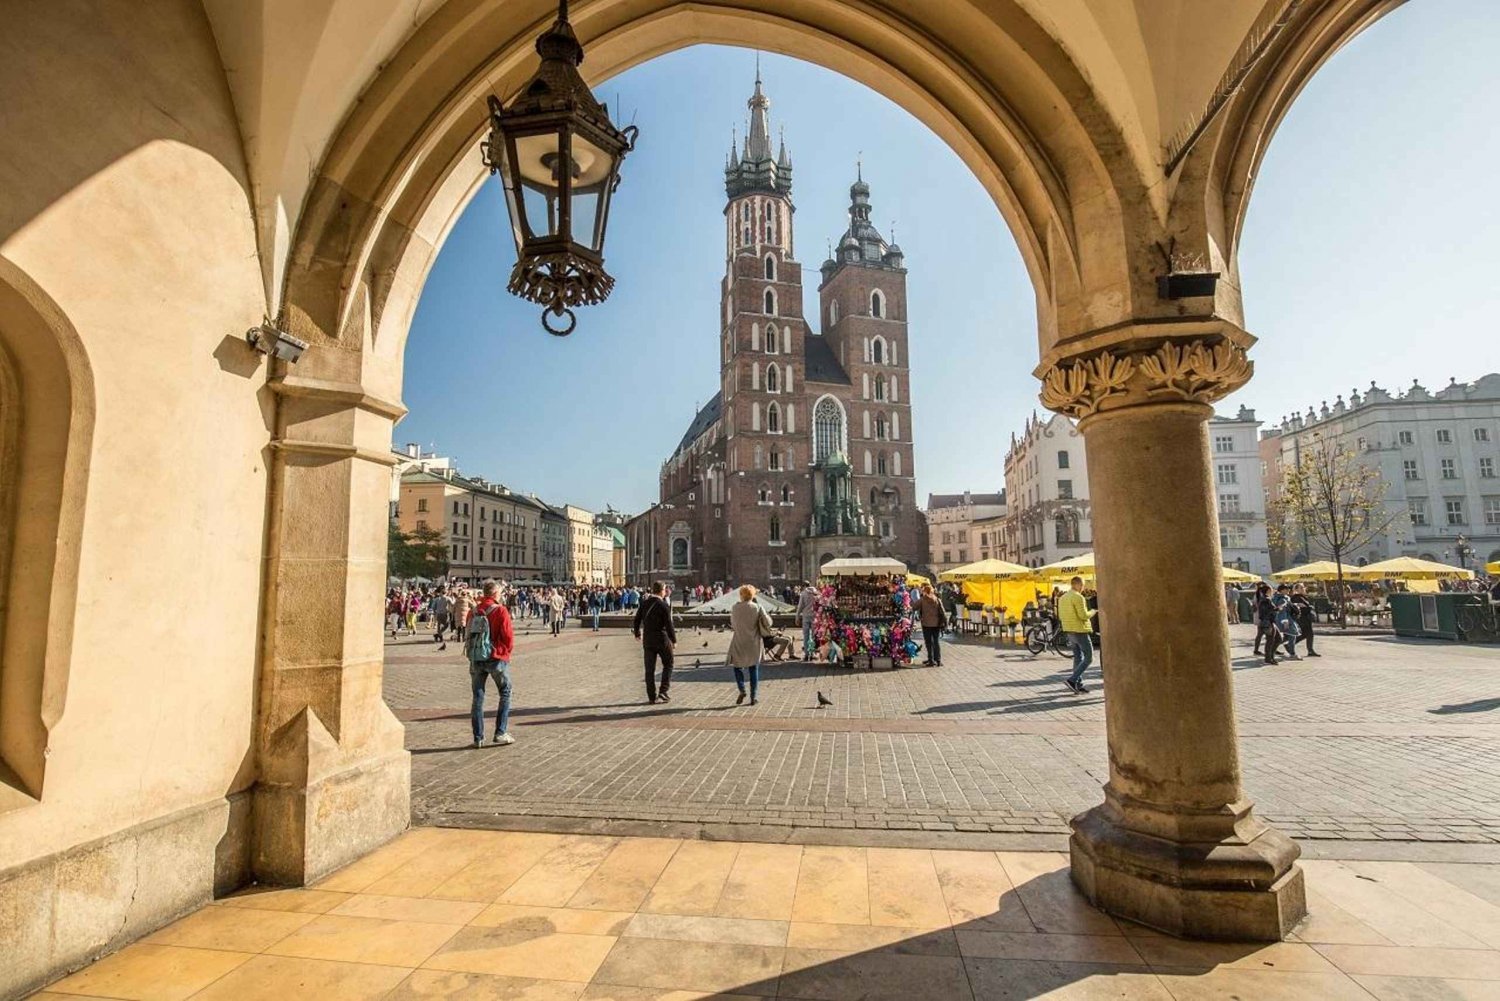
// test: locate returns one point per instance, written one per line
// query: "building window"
(885, 530)
(1409, 469)
(1223, 443)
(1064, 489)
(1405, 437)
(775, 528)
(880, 387)
(882, 429)
(786, 494)
(963, 535)
(828, 429)
(1227, 474)
(775, 458)
(833, 312)
(1232, 536)
(421, 525)
(1481, 434)
(455, 507)
(1487, 467)
(1063, 460)
(877, 351)
(773, 343)
(1454, 506)
(1492, 510)
(679, 554)
(963, 556)
(880, 467)
(877, 303)
(422, 505)
(1444, 436)
(773, 418)
(773, 377)
(1229, 503)
(947, 556)
(1449, 471)
(1066, 523)
(770, 302)
(947, 538)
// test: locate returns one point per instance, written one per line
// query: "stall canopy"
(1407, 568)
(866, 566)
(1320, 570)
(724, 602)
(1234, 576)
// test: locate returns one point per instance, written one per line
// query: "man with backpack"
(488, 641)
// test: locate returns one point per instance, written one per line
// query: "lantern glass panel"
(538, 157)
(595, 167)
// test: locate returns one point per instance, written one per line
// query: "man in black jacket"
(653, 627)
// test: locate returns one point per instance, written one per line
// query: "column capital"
(1188, 360)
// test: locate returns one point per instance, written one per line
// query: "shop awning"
(865, 566)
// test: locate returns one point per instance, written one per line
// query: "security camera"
(268, 340)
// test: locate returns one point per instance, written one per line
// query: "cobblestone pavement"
(1378, 740)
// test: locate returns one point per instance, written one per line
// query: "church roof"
(820, 364)
(758, 168)
(702, 421)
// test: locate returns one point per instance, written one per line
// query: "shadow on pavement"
(1477, 706)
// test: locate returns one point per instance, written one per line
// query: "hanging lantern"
(558, 156)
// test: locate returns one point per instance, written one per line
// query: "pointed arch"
(770, 302)
(773, 378)
(773, 418)
(877, 303)
(830, 428)
(877, 351)
(770, 268)
(773, 339)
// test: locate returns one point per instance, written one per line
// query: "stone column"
(1175, 844)
(333, 777)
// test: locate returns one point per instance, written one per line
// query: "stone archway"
(1175, 844)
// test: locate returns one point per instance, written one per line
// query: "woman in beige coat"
(748, 622)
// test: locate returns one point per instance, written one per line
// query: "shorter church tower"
(862, 304)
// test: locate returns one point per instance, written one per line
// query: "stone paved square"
(1380, 739)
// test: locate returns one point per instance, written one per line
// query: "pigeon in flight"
(824, 700)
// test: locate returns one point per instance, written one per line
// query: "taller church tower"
(761, 350)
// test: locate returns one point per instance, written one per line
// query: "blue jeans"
(1083, 656)
(807, 637)
(500, 671)
(739, 678)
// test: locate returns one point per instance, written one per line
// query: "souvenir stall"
(866, 607)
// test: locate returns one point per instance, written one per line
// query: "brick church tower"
(760, 355)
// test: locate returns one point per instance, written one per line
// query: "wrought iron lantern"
(558, 156)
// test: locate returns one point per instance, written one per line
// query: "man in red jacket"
(502, 639)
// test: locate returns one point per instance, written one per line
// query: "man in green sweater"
(1074, 612)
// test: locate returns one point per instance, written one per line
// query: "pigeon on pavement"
(824, 700)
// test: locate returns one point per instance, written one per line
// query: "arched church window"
(770, 231)
(745, 236)
(763, 495)
(770, 302)
(770, 268)
(896, 464)
(775, 528)
(828, 429)
(877, 303)
(773, 378)
(881, 465)
(772, 339)
(786, 493)
(882, 427)
(745, 211)
(877, 351)
(773, 418)
(833, 312)
(880, 387)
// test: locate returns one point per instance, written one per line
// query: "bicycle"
(1047, 635)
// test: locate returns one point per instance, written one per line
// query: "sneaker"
(663, 697)
(740, 699)
(478, 741)
(1080, 689)
(502, 739)
(1311, 654)
(754, 700)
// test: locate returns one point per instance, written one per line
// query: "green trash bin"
(1428, 616)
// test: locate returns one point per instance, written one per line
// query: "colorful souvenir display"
(867, 617)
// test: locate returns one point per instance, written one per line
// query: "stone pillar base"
(306, 827)
(1229, 890)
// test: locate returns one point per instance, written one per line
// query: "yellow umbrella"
(1236, 576)
(916, 580)
(985, 570)
(1319, 570)
(1076, 566)
(1493, 568)
(1407, 568)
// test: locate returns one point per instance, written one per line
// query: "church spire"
(758, 143)
(755, 166)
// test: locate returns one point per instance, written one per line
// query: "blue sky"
(1369, 252)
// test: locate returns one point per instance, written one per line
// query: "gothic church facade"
(805, 452)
